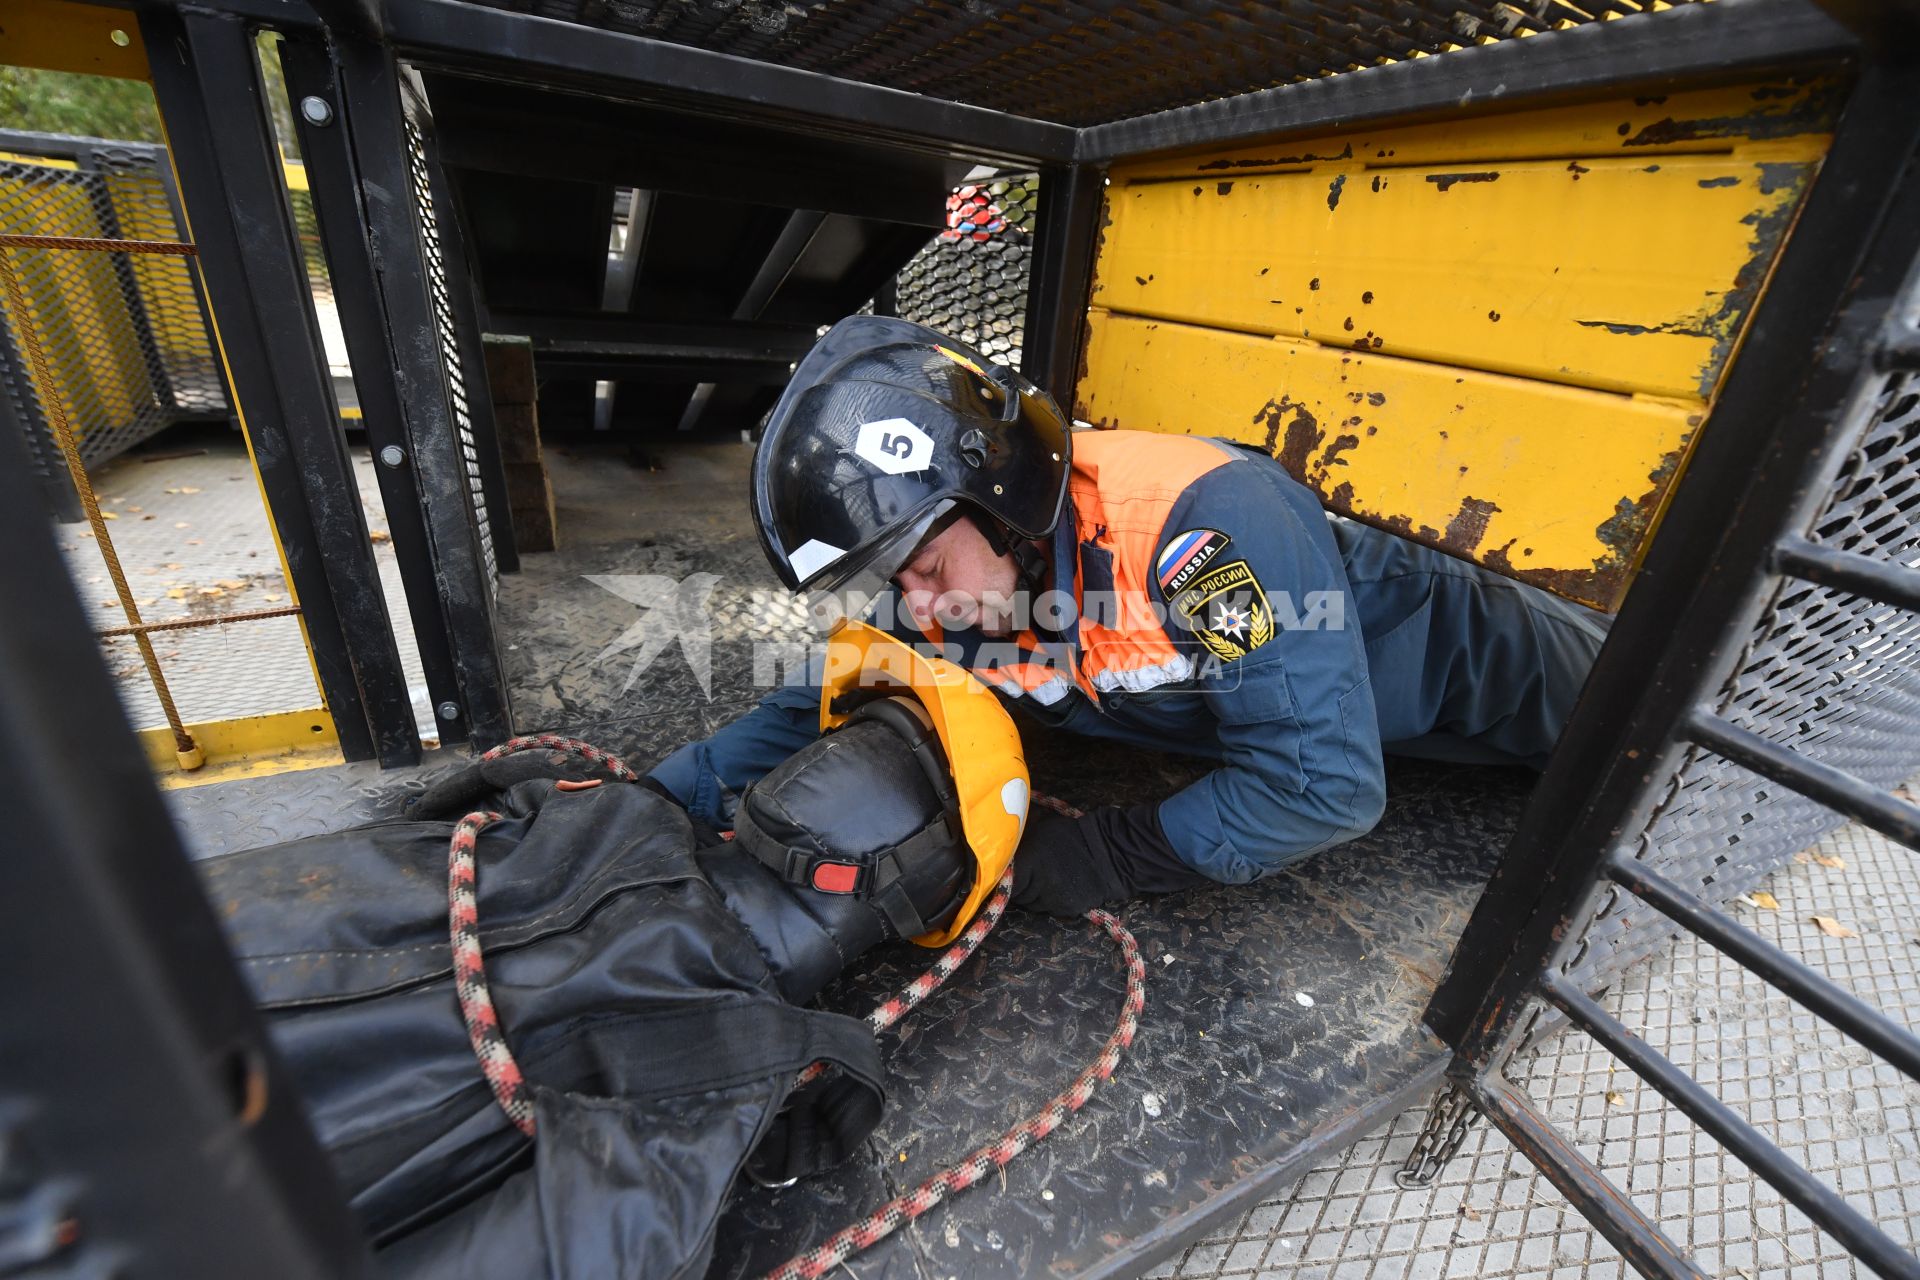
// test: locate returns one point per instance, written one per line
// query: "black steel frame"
(361, 189)
(1733, 528)
(207, 81)
(1845, 291)
(145, 1127)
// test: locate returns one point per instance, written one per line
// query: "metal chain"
(1448, 1119)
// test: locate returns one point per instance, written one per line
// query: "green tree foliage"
(91, 106)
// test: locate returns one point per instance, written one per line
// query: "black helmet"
(889, 430)
(900, 850)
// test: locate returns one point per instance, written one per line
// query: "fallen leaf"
(86, 533)
(1803, 857)
(231, 584)
(178, 593)
(1833, 860)
(109, 515)
(173, 491)
(95, 580)
(1764, 900)
(271, 599)
(174, 564)
(136, 510)
(187, 488)
(1615, 1099)
(212, 592)
(181, 524)
(146, 517)
(1471, 1212)
(378, 535)
(145, 604)
(1833, 928)
(193, 542)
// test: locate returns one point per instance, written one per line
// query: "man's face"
(957, 580)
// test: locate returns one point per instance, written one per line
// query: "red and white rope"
(463, 924)
(515, 1098)
(904, 1209)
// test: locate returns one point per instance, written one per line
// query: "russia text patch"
(1186, 555)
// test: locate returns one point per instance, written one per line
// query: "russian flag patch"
(1185, 555)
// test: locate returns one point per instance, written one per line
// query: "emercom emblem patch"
(1185, 555)
(1227, 611)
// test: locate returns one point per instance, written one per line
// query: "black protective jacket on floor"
(650, 991)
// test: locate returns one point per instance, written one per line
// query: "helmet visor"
(851, 592)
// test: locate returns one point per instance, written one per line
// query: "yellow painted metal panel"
(1544, 268)
(249, 747)
(1554, 485)
(1696, 120)
(1496, 334)
(54, 35)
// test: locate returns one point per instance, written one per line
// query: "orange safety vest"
(1122, 488)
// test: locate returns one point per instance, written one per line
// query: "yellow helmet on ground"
(981, 746)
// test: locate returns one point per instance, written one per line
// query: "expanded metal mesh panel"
(1832, 676)
(124, 333)
(971, 280)
(1079, 62)
(448, 338)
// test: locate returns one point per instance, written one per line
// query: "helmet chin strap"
(1029, 565)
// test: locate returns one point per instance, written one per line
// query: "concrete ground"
(194, 538)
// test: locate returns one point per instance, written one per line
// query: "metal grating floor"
(1849, 1117)
(196, 526)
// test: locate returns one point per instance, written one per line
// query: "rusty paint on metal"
(1446, 180)
(1562, 376)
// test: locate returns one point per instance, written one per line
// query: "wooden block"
(510, 376)
(536, 522)
(518, 428)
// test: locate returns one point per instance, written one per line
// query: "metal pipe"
(1640, 1241)
(1727, 1127)
(1845, 571)
(1811, 988)
(1835, 788)
(185, 749)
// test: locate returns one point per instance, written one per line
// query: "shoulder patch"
(1227, 611)
(1185, 555)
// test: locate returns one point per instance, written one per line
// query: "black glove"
(1068, 866)
(482, 783)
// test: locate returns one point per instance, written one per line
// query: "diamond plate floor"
(193, 539)
(1849, 1117)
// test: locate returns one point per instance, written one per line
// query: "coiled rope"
(515, 1098)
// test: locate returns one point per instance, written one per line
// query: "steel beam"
(206, 80)
(146, 1127)
(368, 109)
(1061, 276)
(332, 184)
(1685, 46)
(455, 35)
(1773, 445)
(793, 241)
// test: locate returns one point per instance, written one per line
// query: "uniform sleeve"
(707, 777)
(1280, 664)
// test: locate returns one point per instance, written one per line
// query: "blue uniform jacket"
(1379, 645)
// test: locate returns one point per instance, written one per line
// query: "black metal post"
(1067, 225)
(369, 111)
(206, 79)
(145, 1126)
(1683, 47)
(457, 273)
(334, 189)
(1776, 438)
(447, 33)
